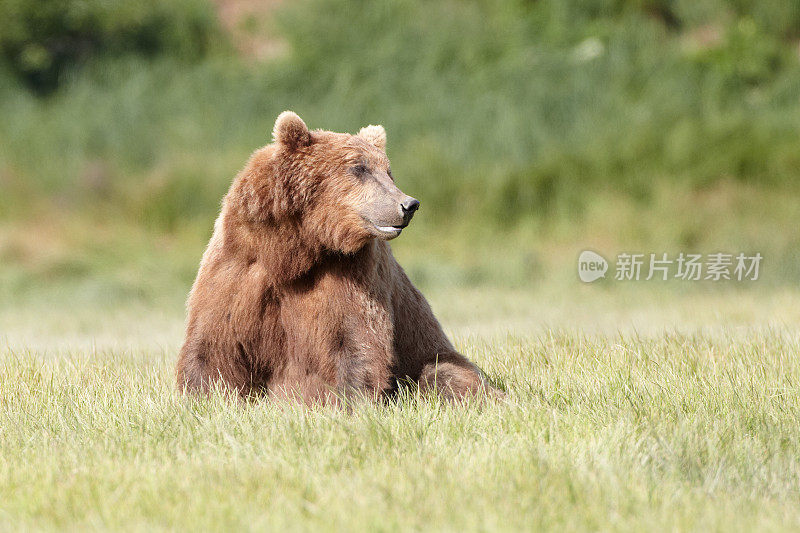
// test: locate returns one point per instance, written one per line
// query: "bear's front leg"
(339, 340)
(425, 355)
(454, 377)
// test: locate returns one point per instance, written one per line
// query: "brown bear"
(298, 294)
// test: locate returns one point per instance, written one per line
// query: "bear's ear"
(291, 131)
(374, 135)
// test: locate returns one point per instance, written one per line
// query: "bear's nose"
(409, 206)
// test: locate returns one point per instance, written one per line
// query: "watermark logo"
(686, 267)
(591, 266)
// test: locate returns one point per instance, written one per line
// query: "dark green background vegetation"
(529, 129)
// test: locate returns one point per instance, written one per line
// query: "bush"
(504, 110)
(43, 40)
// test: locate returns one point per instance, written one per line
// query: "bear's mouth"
(389, 232)
(390, 229)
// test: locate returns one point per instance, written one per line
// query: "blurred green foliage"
(42, 40)
(498, 112)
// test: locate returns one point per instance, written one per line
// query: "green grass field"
(625, 410)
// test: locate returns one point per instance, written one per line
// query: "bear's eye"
(360, 170)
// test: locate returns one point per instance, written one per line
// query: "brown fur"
(297, 296)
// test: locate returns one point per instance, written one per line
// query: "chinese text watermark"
(661, 266)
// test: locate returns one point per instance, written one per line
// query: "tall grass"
(613, 124)
(507, 109)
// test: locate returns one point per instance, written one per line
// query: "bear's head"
(336, 188)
